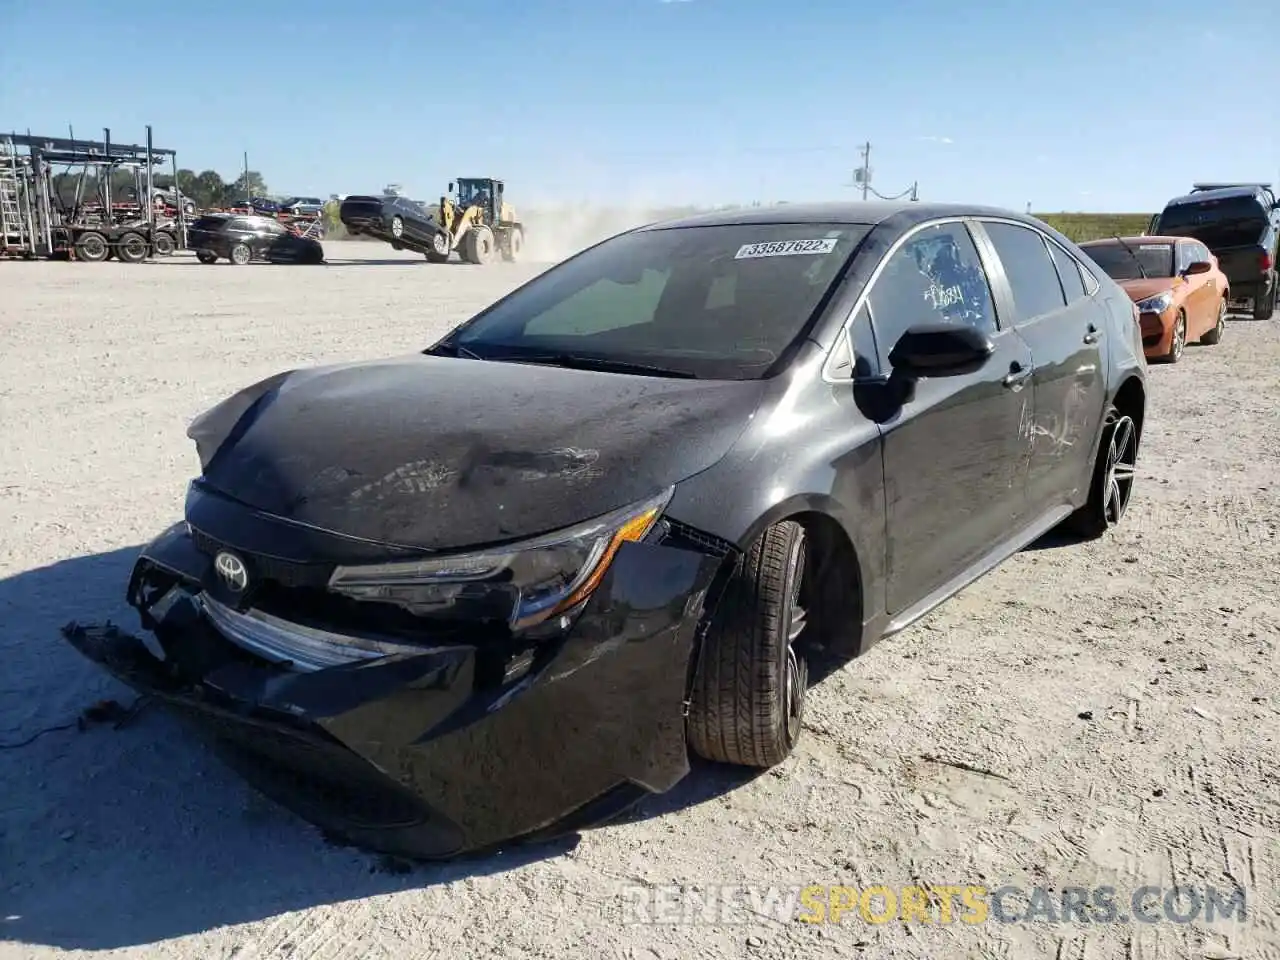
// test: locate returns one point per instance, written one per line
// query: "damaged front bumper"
(426, 751)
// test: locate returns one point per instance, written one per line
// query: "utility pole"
(247, 192)
(867, 167)
(915, 192)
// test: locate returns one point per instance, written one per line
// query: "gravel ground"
(1087, 715)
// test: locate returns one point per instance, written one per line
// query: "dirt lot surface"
(1098, 715)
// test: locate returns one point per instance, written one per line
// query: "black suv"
(244, 237)
(1240, 224)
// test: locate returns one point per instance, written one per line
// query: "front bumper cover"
(408, 754)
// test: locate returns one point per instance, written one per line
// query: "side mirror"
(1200, 266)
(940, 350)
(450, 186)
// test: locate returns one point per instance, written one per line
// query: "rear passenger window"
(1030, 269)
(1069, 271)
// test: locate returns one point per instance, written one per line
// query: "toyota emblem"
(232, 571)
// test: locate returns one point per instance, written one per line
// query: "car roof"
(866, 213)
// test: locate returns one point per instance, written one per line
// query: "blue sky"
(1090, 105)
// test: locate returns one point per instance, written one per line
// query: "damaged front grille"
(302, 647)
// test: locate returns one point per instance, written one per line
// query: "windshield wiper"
(1141, 269)
(582, 362)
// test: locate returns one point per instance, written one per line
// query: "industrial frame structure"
(34, 223)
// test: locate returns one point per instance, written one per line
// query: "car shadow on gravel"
(116, 836)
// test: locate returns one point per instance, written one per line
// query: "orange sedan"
(1180, 292)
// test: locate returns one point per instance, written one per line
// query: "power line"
(862, 178)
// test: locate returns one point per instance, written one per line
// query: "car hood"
(438, 453)
(1149, 287)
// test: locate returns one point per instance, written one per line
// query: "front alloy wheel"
(1178, 342)
(748, 696)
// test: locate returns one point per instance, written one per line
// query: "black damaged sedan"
(498, 589)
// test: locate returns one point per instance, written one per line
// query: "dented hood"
(440, 453)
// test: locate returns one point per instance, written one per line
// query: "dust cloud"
(553, 233)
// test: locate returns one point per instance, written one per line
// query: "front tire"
(479, 245)
(1111, 486)
(1215, 335)
(748, 694)
(1178, 342)
(440, 248)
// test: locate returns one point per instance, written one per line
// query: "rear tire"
(206, 256)
(164, 243)
(747, 702)
(1111, 486)
(92, 247)
(1265, 309)
(514, 246)
(240, 254)
(131, 248)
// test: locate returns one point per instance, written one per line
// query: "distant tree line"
(206, 189)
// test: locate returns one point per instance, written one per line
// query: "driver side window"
(935, 277)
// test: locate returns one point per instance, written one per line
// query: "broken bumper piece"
(423, 751)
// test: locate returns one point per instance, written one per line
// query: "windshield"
(721, 302)
(1229, 222)
(1119, 264)
(473, 191)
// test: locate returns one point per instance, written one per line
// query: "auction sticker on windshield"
(785, 248)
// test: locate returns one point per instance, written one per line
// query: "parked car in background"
(401, 222)
(241, 238)
(1180, 291)
(438, 601)
(262, 205)
(302, 206)
(1240, 224)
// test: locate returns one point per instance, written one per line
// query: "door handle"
(1016, 376)
(1092, 335)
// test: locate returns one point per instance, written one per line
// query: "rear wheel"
(92, 247)
(514, 246)
(164, 243)
(1215, 335)
(206, 256)
(240, 254)
(1265, 307)
(749, 689)
(131, 247)
(1113, 476)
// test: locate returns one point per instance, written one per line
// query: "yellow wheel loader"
(478, 223)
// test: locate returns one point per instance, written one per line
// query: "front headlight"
(523, 583)
(1157, 304)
